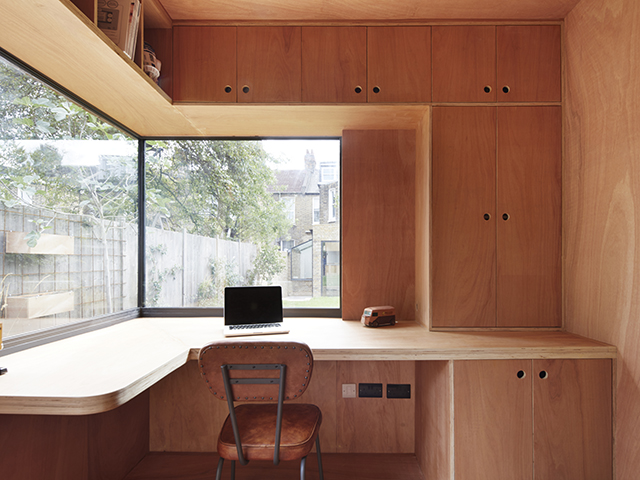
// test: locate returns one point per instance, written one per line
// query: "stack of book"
(119, 20)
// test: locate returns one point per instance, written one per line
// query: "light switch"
(348, 390)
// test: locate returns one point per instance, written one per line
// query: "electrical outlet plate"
(398, 390)
(348, 390)
(370, 390)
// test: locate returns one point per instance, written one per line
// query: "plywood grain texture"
(338, 10)
(464, 217)
(434, 418)
(375, 425)
(493, 415)
(529, 63)
(378, 221)
(572, 419)
(399, 64)
(601, 199)
(334, 64)
(269, 64)
(204, 64)
(423, 221)
(464, 63)
(529, 163)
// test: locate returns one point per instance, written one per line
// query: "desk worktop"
(101, 370)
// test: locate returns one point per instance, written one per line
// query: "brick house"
(311, 197)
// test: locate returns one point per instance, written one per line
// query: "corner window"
(68, 209)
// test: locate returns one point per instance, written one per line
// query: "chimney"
(310, 161)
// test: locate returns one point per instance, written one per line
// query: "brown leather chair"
(262, 375)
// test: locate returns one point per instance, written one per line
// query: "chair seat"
(257, 427)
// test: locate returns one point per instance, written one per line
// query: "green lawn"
(317, 302)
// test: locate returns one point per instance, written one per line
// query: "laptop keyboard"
(252, 326)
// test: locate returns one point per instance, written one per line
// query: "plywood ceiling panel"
(381, 10)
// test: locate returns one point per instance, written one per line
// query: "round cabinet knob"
(506, 89)
(487, 89)
(544, 375)
(521, 374)
(487, 216)
(376, 89)
(228, 89)
(245, 89)
(505, 216)
(358, 89)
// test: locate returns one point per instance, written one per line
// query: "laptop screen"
(244, 305)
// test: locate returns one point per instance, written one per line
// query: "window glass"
(68, 209)
(237, 212)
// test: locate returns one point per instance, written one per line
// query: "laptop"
(253, 311)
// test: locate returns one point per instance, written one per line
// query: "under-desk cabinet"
(532, 419)
(486, 63)
(496, 216)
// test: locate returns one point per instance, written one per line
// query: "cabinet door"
(204, 64)
(464, 64)
(529, 216)
(463, 217)
(572, 419)
(492, 420)
(269, 64)
(334, 64)
(399, 64)
(529, 63)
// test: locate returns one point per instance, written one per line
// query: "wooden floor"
(201, 466)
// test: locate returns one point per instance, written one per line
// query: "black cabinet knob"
(506, 89)
(521, 374)
(228, 89)
(487, 89)
(245, 89)
(358, 89)
(376, 89)
(505, 216)
(487, 216)
(544, 375)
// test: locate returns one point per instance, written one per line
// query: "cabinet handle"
(358, 89)
(487, 89)
(521, 374)
(245, 89)
(487, 216)
(376, 89)
(505, 216)
(228, 89)
(506, 89)
(544, 375)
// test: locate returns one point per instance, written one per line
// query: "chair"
(262, 375)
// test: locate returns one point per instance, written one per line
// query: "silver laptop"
(253, 311)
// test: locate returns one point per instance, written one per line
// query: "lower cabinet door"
(572, 419)
(492, 420)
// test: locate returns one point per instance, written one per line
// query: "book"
(119, 20)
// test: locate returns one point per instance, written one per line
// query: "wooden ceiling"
(365, 10)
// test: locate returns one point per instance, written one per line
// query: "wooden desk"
(60, 399)
(104, 369)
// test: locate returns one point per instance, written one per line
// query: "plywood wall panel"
(434, 418)
(602, 198)
(376, 425)
(423, 220)
(378, 221)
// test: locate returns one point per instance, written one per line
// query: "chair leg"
(303, 464)
(319, 458)
(233, 470)
(219, 470)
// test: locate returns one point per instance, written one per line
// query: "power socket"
(348, 390)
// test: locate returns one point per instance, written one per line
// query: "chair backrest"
(260, 356)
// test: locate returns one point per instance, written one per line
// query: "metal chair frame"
(234, 423)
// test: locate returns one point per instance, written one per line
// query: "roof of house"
(296, 182)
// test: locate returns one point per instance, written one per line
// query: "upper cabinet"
(268, 64)
(504, 63)
(334, 64)
(204, 64)
(399, 64)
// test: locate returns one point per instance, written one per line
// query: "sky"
(292, 152)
